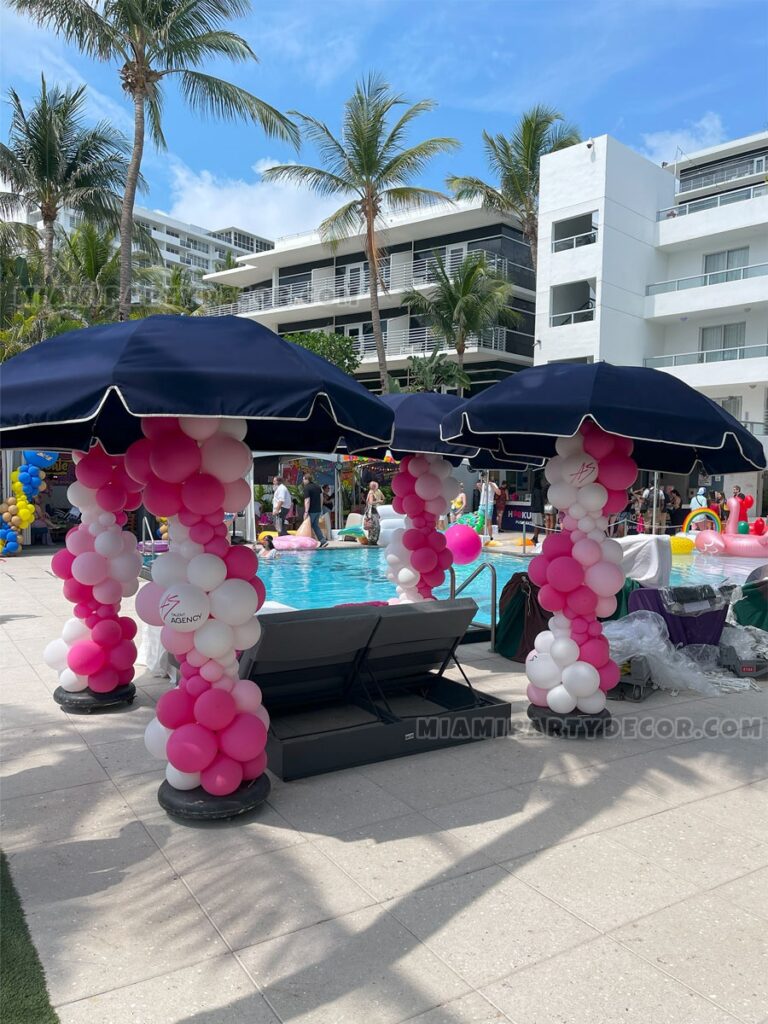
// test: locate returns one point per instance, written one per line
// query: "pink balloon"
(85, 658)
(550, 599)
(202, 493)
(413, 540)
(261, 591)
(94, 469)
(109, 591)
(90, 568)
(121, 518)
(148, 604)
(215, 709)
(537, 570)
(245, 738)
(599, 444)
(191, 748)
(444, 559)
(587, 552)
(77, 592)
(123, 655)
(605, 607)
(419, 521)
(222, 776)
(111, 497)
(623, 445)
(617, 472)
(195, 686)
(171, 639)
(61, 564)
(435, 578)
(81, 610)
(162, 498)
(156, 426)
(615, 502)
(241, 562)
(536, 695)
(79, 540)
(237, 496)
(226, 458)
(397, 505)
(104, 681)
(463, 542)
(556, 545)
(595, 652)
(247, 695)
(609, 675)
(219, 546)
(255, 767)
(187, 518)
(594, 629)
(107, 633)
(201, 533)
(136, 460)
(436, 541)
(424, 560)
(565, 574)
(413, 505)
(402, 484)
(125, 676)
(569, 525)
(605, 578)
(582, 601)
(175, 708)
(174, 457)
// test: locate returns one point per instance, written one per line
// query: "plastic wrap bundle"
(204, 594)
(99, 566)
(579, 572)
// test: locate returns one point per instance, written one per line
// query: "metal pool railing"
(456, 590)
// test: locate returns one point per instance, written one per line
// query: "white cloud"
(267, 208)
(672, 145)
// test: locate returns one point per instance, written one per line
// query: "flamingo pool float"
(730, 541)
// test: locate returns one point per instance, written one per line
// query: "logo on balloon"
(184, 607)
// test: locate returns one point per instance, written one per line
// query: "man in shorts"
(537, 507)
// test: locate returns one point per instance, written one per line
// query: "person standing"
(313, 508)
(698, 501)
(281, 505)
(501, 506)
(458, 505)
(371, 520)
(676, 511)
(537, 506)
(488, 492)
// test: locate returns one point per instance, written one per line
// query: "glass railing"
(421, 341)
(720, 175)
(757, 427)
(578, 316)
(712, 202)
(718, 355)
(575, 241)
(703, 280)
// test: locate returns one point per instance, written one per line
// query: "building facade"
(661, 266)
(302, 284)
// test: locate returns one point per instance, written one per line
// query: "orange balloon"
(15, 520)
(7, 516)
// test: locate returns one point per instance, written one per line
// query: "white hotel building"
(302, 284)
(661, 266)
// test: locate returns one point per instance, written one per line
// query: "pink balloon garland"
(579, 572)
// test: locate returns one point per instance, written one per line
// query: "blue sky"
(656, 74)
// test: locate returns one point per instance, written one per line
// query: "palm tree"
(52, 161)
(470, 300)
(435, 372)
(89, 268)
(153, 39)
(369, 166)
(515, 161)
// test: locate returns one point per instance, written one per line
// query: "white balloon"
(182, 780)
(236, 428)
(397, 535)
(612, 551)
(560, 701)
(71, 682)
(109, 543)
(593, 704)
(74, 629)
(544, 641)
(81, 497)
(263, 714)
(593, 497)
(441, 468)
(189, 549)
(107, 518)
(130, 587)
(541, 670)
(88, 515)
(581, 679)
(586, 524)
(580, 470)
(553, 470)
(562, 495)
(95, 529)
(177, 532)
(125, 567)
(207, 571)
(156, 739)
(564, 652)
(129, 543)
(451, 488)
(560, 623)
(199, 427)
(407, 577)
(596, 535)
(55, 654)
(214, 639)
(234, 602)
(601, 522)
(247, 635)
(569, 445)
(169, 568)
(184, 608)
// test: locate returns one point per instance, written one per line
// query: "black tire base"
(573, 726)
(86, 701)
(197, 805)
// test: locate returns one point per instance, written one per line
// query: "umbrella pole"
(655, 493)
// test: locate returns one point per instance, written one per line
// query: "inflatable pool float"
(681, 544)
(731, 542)
(295, 543)
(702, 513)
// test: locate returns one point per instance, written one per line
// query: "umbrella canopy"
(97, 382)
(673, 426)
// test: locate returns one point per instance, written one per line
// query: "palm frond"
(319, 180)
(471, 189)
(412, 162)
(78, 22)
(346, 221)
(210, 95)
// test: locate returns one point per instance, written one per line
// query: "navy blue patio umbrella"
(96, 383)
(672, 425)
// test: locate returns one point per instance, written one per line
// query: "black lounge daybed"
(353, 685)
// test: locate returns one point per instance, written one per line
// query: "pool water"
(319, 579)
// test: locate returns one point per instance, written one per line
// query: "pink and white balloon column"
(99, 567)
(212, 728)
(417, 556)
(579, 572)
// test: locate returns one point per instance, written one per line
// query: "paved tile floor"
(522, 880)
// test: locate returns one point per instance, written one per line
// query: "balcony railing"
(717, 355)
(712, 202)
(727, 172)
(757, 427)
(396, 278)
(703, 280)
(421, 341)
(578, 316)
(575, 241)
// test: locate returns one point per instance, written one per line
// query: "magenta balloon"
(111, 497)
(550, 599)
(413, 505)
(191, 748)
(565, 574)
(148, 604)
(436, 541)
(215, 709)
(241, 563)
(594, 629)
(201, 533)
(413, 540)
(103, 681)
(219, 546)
(175, 708)
(623, 445)
(136, 460)
(615, 502)
(402, 484)
(95, 469)
(174, 457)
(397, 505)
(610, 674)
(463, 542)
(156, 426)
(222, 776)
(617, 472)
(556, 545)
(187, 518)
(419, 521)
(81, 609)
(107, 633)
(255, 767)
(61, 564)
(202, 493)
(162, 498)
(237, 496)
(435, 578)
(261, 591)
(595, 651)
(196, 686)
(444, 559)
(125, 676)
(123, 655)
(86, 658)
(599, 444)
(245, 738)
(537, 570)
(424, 559)
(536, 695)
(582, 601)
(173, 641)
(90, 568)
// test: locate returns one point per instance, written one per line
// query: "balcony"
(575, 241)
(397, 278)
(704, 280)
(732, 171)
(577, 316)
(713, 356)
(712, 202)
(421, 341)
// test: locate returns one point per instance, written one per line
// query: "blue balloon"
(41, 459)
(33, 470)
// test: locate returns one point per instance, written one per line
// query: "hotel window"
(732, 404)
(725, 266)
(724, 341)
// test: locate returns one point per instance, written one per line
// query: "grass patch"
(23, 995)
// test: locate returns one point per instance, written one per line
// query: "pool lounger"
(351, 686)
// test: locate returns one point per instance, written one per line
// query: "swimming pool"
(318, 579)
